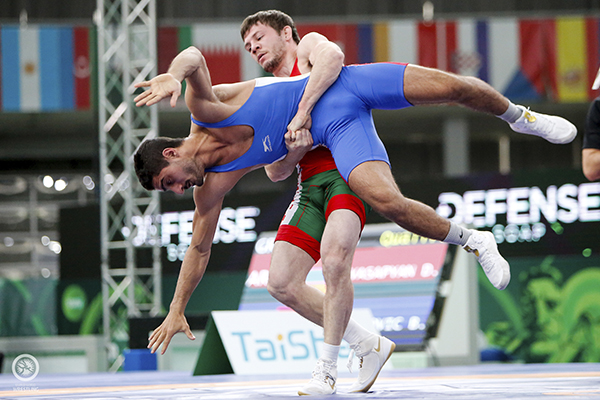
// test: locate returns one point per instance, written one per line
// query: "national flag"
(224, 51)
(82, 67)
(437, 44)
(571, 62)
(39, 68)
(546, 58)
(466, 59)
(55, 65)
(403, 41)
(367, 37)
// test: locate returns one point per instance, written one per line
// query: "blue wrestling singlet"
(268, 112)
(341, 119)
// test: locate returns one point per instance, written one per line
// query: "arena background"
(550, 52)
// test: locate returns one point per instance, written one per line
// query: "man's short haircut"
(273, 18)
(149, 161)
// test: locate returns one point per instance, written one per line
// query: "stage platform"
(478, 382)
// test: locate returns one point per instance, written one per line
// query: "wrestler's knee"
(337, 266)
(283, 291)
(456, 88)
(389, 202)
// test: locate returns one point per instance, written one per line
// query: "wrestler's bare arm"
(190, 64)
(324, 60)
(208, 199)
(200, 98)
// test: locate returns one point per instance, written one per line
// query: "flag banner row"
(45, 68)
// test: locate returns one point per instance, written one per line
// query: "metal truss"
(131, 268)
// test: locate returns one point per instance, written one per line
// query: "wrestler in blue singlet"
(341, 119)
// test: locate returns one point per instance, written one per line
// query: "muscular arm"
(208, 199)
(200, 97)
(324, 60)
(189, 63)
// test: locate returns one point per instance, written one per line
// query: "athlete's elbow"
(334, 54)
(338, 56)
(195, 53)
(276, 176)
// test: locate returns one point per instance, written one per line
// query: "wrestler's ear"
(170, 152)
(287, 32)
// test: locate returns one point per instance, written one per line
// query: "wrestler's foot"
(554, 129)
(483, 245)
(323, 379)
(372, 352)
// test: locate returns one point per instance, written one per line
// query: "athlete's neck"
(286, 66)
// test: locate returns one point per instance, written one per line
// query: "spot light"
(428, 11)
(60, 184)
(47, 181)
(88, 182)
(55, 247)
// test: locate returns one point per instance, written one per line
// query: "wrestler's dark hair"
(274, 18)
(148, 159)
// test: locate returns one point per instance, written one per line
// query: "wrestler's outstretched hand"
(173, 323)
(161, 87)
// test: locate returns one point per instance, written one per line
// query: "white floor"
(480, 382)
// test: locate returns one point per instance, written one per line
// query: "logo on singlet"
(267, 144)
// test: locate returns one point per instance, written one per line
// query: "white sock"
(355, 332)
(330, 352)
(511, 114)
(457, 234)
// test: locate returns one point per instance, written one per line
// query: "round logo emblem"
(25, 367)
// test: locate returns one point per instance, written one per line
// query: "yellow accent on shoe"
(528, 116)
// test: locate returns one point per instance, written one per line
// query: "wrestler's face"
(179, 175)
(266, 46)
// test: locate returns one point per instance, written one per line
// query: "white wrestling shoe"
(372, 352)
(484, 246)
(554, 129)
(323, 379)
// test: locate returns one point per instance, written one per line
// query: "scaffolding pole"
(130, 242)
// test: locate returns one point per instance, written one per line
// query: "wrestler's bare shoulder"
(234, 93)
(217, 184)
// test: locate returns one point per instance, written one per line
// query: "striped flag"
(571, 61)
(401, 42)
(225, 54)
(44, 68)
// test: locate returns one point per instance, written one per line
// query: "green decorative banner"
(550, 312)
(27, 307)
